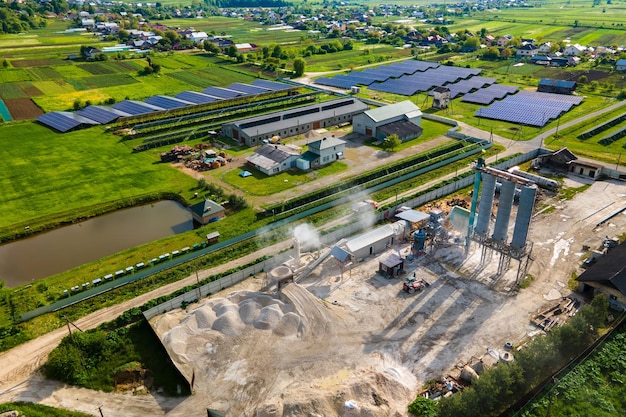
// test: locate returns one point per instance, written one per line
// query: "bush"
(423, 407)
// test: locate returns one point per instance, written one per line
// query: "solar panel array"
(409, 85)
(136, 108)
(64, 120)
(378, 74)
(166, 102)
(530, 108)
(489, 94)
(465, 86)
(94, 115)
(101, 114)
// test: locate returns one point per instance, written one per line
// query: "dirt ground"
(364, 347)
(358, 340)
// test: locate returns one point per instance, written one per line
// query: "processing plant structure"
(497, 240)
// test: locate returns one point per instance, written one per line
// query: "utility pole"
(100, 410)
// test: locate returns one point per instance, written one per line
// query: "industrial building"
(296, 121)
(376, 240)
(403, 119)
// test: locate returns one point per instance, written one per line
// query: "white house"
(574, 50)
(403, 118)
(545, 48)
(322, 152)
(198, 37)
(272, 159)
(528, 50)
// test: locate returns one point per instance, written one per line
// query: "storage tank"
(524, 213)
(543, 182)
(419, 241)
(507, 192)
(485, 205)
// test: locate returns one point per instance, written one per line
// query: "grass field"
(87, 167)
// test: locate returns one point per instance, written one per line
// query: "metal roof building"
(403, 118)
(376, 240)
(64, 121)
(294, 121)
(272, 159)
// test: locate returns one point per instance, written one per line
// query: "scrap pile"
(556, 314)
(177, 153)
(206, 160)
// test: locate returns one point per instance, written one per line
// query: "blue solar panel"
(63, 120)
(197, 98)
(529, 108)
(101, 114)
(135, 108)
(272, 85)
(489, 94)
(167, 102)
(339, 81)
(222, 92)
(247, 88)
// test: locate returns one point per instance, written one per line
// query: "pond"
(46, 254)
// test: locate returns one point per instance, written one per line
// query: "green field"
(87, 167)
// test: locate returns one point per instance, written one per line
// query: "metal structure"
(519, 248)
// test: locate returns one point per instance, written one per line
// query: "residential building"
(527, 51)
(607, 276)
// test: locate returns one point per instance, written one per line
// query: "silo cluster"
(505, 204)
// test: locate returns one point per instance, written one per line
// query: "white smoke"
(307, 236)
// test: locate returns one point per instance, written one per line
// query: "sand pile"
(241, 312)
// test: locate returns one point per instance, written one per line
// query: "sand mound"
(223, 306)
(205, 316)
(229, 324)
(288, 325)
(249, 310)
(268, 317)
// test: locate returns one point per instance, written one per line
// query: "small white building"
(574, 50)
(198, 37)
(322, 152)
(272, 159)
(403, 118)
(545, 48)
(376, 240)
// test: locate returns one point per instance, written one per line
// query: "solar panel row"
(93, 115)
(489, 94)
(529, 108)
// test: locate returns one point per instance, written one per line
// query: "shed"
(207, 211)
(391, 264)
(376, 240)
(322, 152)
(547, 85)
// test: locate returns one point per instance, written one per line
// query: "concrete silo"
(524, 214)
(507, 193)
(485, 205)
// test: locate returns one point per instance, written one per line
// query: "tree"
(423, 407)
(391, 142)
(491, 53)
(298, 66)
(211, 48)
(5, 64)
(582, 79)
(506, 53)
(472, 43)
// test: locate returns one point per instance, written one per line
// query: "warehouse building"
(292, 122)
(403, 119)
